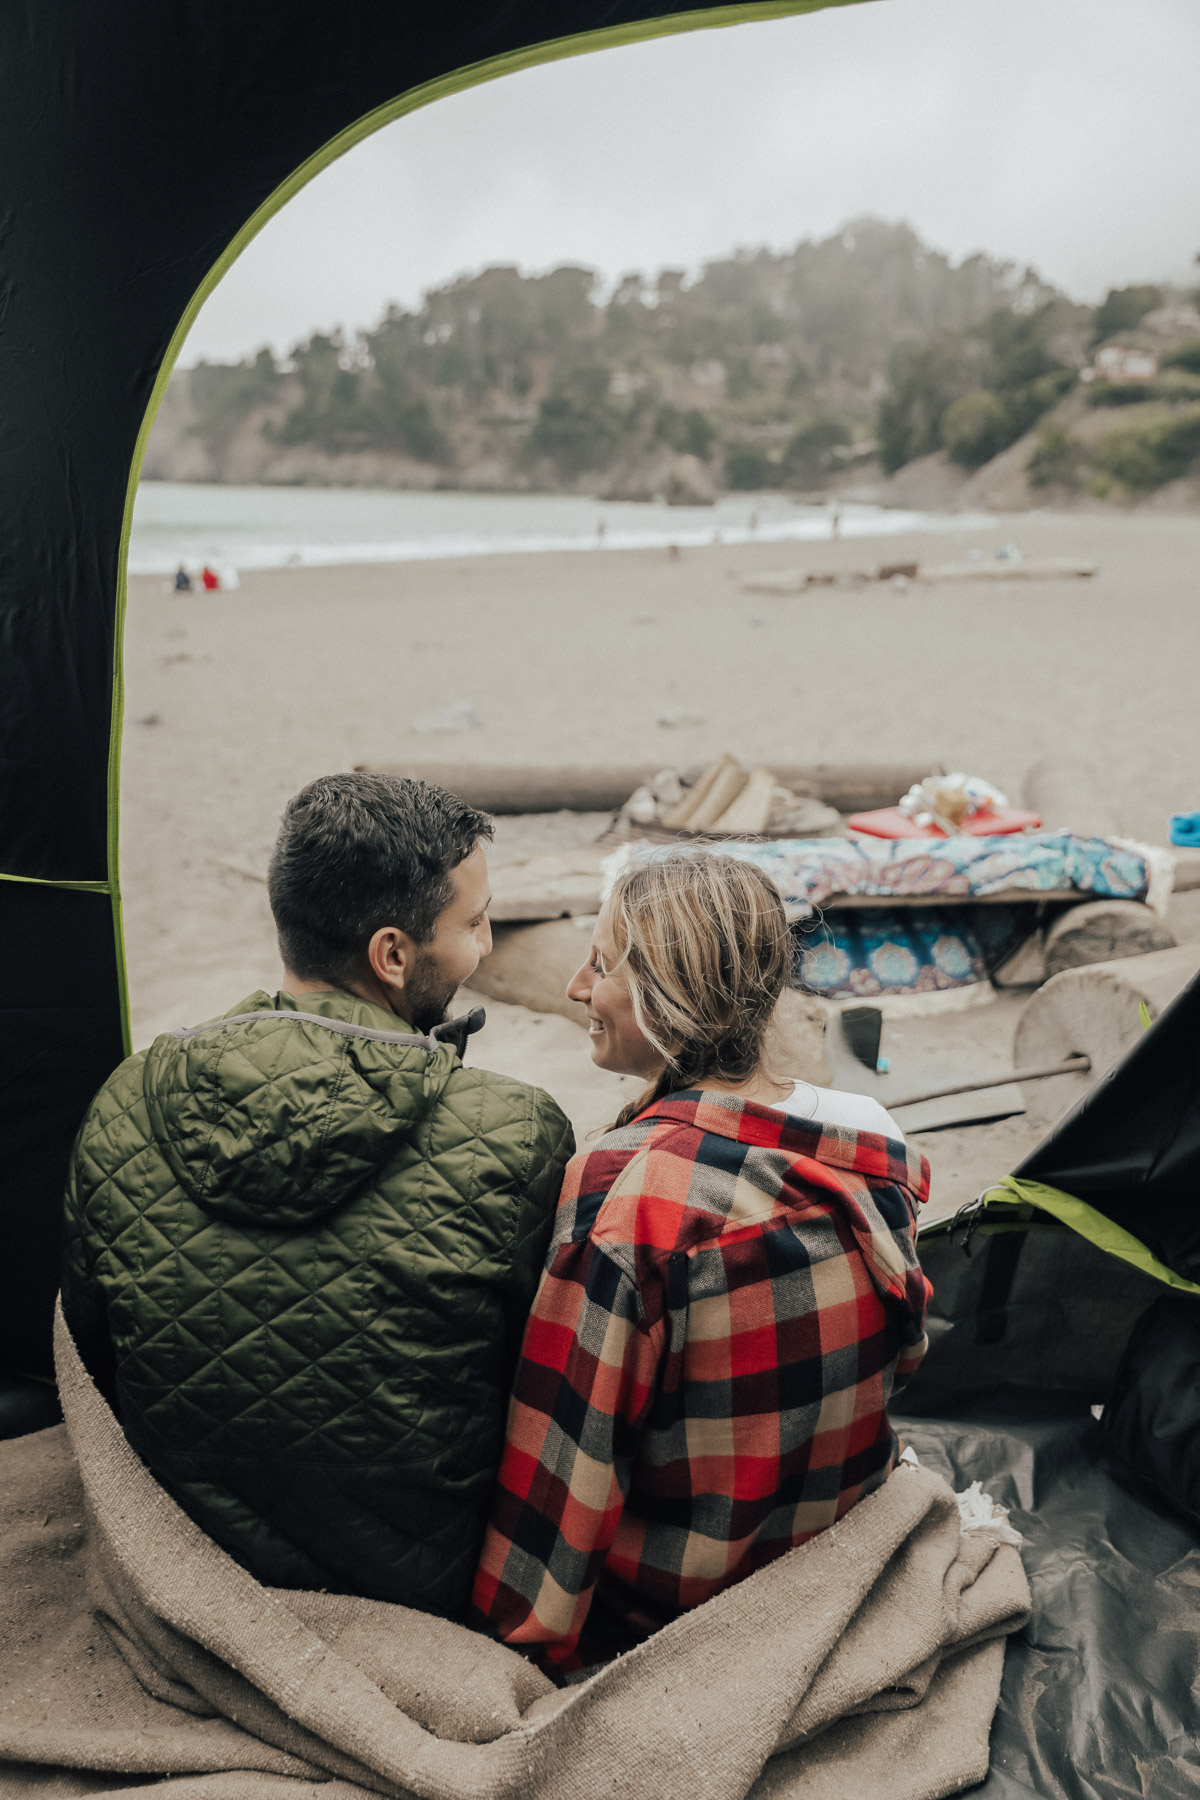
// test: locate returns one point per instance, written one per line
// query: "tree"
(749, 468)
(1122, 309)
(809, 454)
(975, 428)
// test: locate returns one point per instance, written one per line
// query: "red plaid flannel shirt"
(730, 1298)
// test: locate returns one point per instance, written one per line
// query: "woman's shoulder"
(599, 1163)
(610, 1170)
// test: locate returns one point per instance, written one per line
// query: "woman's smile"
(601, 988)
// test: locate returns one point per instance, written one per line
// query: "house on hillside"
(1122, 362)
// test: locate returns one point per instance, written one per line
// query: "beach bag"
(1151, 1423)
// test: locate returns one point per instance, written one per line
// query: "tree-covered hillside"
(766, 370)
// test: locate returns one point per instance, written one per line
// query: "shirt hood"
(877, 1183)
(281, 1112)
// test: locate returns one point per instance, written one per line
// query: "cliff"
(862, 363)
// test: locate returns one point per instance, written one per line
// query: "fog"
(1059, 133)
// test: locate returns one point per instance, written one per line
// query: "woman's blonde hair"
(704, 945)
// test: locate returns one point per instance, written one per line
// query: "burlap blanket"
(137, 1658)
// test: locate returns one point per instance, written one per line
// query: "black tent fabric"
(1029, 1328)
(142, 144)
(1131, 1148)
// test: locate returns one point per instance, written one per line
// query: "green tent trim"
(1011, 1204)
(474, 75)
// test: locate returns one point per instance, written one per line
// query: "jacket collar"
(746, 1122)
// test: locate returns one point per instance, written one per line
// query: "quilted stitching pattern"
(312, 1258)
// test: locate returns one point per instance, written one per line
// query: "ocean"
(281, 527)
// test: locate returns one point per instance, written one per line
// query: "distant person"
(211, 579)
(302, 1240)
(731, 1298)
(183, 581)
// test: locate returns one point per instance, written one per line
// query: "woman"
(731, 1296)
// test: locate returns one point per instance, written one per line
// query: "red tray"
(890, 822)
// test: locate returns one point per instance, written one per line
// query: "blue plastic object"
(1185, 830)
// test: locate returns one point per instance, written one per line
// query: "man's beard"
(427, 993)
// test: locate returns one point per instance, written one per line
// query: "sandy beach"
(235, 700)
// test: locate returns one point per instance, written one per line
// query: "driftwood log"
(1103, 931)
(530, 965)
(588, 787)
(1093, 1012)
(551, 885)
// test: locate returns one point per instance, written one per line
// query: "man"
(302, 1240)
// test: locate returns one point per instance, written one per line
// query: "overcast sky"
(1056, 132)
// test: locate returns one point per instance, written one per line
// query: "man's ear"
(391, 954)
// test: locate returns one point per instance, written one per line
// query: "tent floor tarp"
(1101, 1691)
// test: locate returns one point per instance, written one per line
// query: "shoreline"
(276, 540)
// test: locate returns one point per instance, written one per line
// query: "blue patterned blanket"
(912, 950)
(812, 872)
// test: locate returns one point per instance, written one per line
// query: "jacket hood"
(866, 1176)
(279, 1113)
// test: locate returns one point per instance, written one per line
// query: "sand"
(576, 656)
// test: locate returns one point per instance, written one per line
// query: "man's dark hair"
(357, 852)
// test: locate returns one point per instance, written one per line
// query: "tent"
(144, 144)
(1073, 1286)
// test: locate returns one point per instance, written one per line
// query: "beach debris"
(460, 715)
(946, 800)
(750, 810)
(725, 800)
(1185, 830)
(785, 581)
(660, 794)
(1009, 566)
(677, 718)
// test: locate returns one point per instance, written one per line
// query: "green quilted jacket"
(299, 1260)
